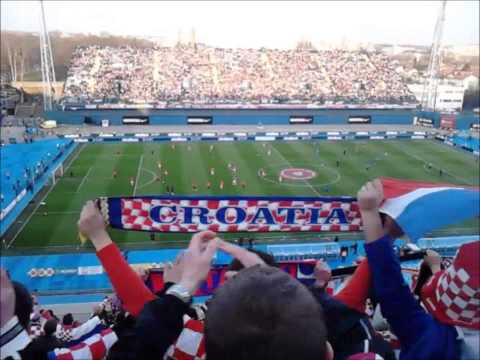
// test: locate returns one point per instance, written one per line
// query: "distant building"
(449, 95)
(471, 82)
(9, 98)
(464, 50)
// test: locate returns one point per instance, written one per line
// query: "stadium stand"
(21, 160)
(9, 97)
(24, 110)
(25, 169)
(201, 74)
(466, 141)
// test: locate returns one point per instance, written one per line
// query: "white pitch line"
(76, 156)
(138, 175)
(29, 217)
(62, 212)
(154, 178)
(40, 202)
(83, 180)
(290, 164)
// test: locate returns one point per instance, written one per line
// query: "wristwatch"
(180, 292)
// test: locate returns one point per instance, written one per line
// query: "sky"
(273, 24)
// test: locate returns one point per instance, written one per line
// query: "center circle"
(297, 174)
(321, 174)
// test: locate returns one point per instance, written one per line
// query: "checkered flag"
(453, 295)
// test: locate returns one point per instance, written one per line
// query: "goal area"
(56, 174)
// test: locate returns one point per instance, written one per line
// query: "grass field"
(54, 223)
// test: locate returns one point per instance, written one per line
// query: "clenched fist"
(92, 225)
(370, 195)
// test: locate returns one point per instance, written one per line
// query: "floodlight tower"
(48, 71)
(429, 96)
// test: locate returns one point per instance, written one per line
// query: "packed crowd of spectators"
(260, 312)
(205, 75)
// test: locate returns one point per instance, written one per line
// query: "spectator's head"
(97, 309)
(51, 314)
(67, 319)
(50, 327)
(23, 304)
(452, 296)
(263, 313)
(392, 228)
(418, 281)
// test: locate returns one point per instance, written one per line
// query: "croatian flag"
(420, 207)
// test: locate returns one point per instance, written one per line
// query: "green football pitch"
(90, 174)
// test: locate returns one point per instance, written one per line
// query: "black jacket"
(39, 347)
(158, 326)
(349, 331)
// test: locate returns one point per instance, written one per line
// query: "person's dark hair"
(390, 225)
(23, 304)
(424, 274)
(50, 327)
(264, 314)
(67, 319)
(269, 260)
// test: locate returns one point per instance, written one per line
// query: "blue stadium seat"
(15, 159)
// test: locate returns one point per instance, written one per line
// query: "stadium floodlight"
(429, 96)
(48, 70)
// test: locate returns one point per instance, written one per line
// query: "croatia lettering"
(232, 214)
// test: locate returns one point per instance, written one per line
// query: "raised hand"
(247, 258)
(198, 259)
(322, 273)
(370, 196)
(173, 272)
(92, 225)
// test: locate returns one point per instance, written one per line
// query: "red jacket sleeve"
(356, 292)
(127, 284)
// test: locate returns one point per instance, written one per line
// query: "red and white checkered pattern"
(190, 345)
(459, 299)
(135, 215)
(35, 330)
(64, 333)
(453, 296)
(95, 347)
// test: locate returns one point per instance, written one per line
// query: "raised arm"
(356, 292)
(247, 258)
(126, 282)
(161, 320)
(407, 319)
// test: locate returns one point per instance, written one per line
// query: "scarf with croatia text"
(417, 207)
